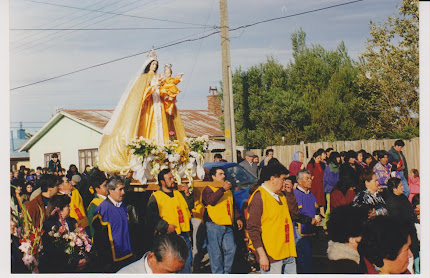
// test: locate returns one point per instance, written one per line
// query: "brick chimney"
(214, 104)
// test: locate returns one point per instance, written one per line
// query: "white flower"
(25, 247)
(72, 243)
(28, 259)
(132, 150)
(153, 151)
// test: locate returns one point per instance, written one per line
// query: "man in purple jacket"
(308, 205)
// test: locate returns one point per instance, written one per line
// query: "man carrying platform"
(168, 211)
(219, 218)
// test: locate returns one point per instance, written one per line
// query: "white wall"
(66, 137)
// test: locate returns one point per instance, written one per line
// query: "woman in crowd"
(16, 193)
(317, 173)
(297, 163)
(53, 258)
(370, 194)
(382, 169)
(86, 171)
(343, 192)
(323, 158)
(385, 246)
(351, 167)
(399, 207)
(331, 172)
(345, 230)
(73, 170)
(360, 158)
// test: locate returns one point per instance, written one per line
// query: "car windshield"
(239, 177)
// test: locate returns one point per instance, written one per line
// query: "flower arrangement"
(184, 159)
(199, 144)
(74, 243)
(30, 237)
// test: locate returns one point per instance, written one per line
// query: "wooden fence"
(285, 153)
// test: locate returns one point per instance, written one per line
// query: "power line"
(293, 15)
(197, 54)
(105, 29)
(59, 24)
(61, 35)
(115, 60)
(55, 20)
(184, 41)
(135, 16)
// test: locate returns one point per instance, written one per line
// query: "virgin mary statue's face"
(153, 66)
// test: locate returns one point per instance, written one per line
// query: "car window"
(239, 177)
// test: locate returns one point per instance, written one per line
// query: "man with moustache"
(168, 211)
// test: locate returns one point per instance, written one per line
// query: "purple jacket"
(330, 177)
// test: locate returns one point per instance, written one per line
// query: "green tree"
(389, 74)
(313, 98)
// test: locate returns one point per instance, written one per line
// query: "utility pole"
(229, 127)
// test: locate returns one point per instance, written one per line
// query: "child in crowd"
(414, 184)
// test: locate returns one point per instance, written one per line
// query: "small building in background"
(17, 158)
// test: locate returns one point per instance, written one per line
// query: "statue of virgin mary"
(140, 112)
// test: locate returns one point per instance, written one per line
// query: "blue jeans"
(405, 184)
(285, 266)
(221, 247)
(188, 263)
(304, 253)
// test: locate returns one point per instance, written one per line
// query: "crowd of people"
(367, 204)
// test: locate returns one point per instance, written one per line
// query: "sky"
(36, 55)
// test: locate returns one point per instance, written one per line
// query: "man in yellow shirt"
(168, 211)
(77, 210)
(219, 218)
(269, 224)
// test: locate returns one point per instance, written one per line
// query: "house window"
(48, 157)
(88, 157)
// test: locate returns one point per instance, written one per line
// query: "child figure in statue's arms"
(168, 89)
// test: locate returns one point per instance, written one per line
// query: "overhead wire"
(107, 29)
(62, 17)
(135, 16)
(184, 41)
(116, 60)
(62, 35)
(62, 23)
(197, 53)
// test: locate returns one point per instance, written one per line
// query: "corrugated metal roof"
(196, 122)
(200, 122)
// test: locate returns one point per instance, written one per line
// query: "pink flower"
(88, 248)
(171, 133)
(79, 242)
